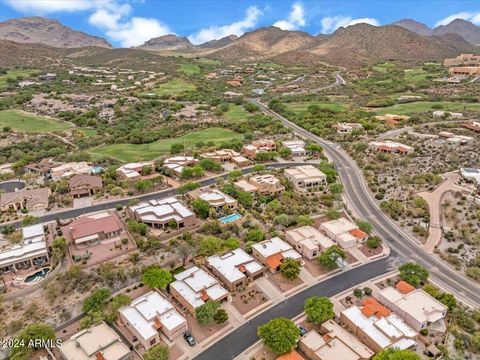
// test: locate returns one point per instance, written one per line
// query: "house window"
(153, 341)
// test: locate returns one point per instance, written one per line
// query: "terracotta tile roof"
(99, 356)
(358, 233)
(372, 307)
(404, 287)
(242, 268)
(292, 355)
(86, 226)
(30, 198)
(157, 323)
(89, 181)
(274, 260)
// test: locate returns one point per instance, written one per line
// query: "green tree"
(235, 174)
(210, 245)
(305, 220)
(245, 199)
(157, 278)
(475, 341)
(92, 318)
(232, 243)
(333, 214)
(201, 207)
(59, 249)
(413, 273)
(136, 227)
(157, 352)
(97, 300)
(210, 165)
(188, 186)
(328, 259)
(314, 148)
(280, 335)
(319, 309)
(176, 148)
(365, 226)
(448, 300)
(143, 185)
(205, 314)
(118, 302)
(31, 332)
(373, 242)
(396, 354)
(336, 188)
(290, 268)
(255, 235)
(220, 316)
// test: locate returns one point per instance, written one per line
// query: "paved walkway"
(434, 199)
(269, 289)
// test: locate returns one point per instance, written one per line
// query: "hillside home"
(347, 128)
(308, 241)
(150, 314)
(193, 287)
(271, 253)
(391, 147)
(265, 184)
(42, 168)
(258, 146)
(471, 175)
(90, 230)
(344, 232)
(31, 200)
(69, 169)
(84, 185)
(177, 163)
(392, 119)
(235, 268)
(296, 146)
(159, 213)
(134, 171)
(31, 252)
(463, 59)
(472, 125)
(334, 343)
(306, 178)
(377, 327)
(416, 307)
(99, 342)
(216, 199)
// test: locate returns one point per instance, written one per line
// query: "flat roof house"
(235, 268)
(471, 174)
(258, 146)
(193, 287)
(100, 342)
(391, 147)
(158, 213)
(336, 343)
(472, 125)
(69, 169)
(31, 252)
(133, 171)
(377, 327)
(43, 167)
(344, 232)
(347, 128)
(273, 252)
(216, 199)
(306, 178)
(296, 146)
(308, 241)
(224, 155)
(416, 307)
(150, 314)
(90, 230)
(178, 163)
(265, 184)
(31, 200)
(84, 185)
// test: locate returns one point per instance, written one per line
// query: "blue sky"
(132, 22)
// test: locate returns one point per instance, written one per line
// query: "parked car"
(303, 331)
(187, 335)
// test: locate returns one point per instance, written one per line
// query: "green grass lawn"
(189, 69)
(415, 75)
(141, 152)
(26, 122)
(88, 132)
(384, 67)
(236, 113)
(173, 87)
(14, 74)
(424, 106)
(302, 107)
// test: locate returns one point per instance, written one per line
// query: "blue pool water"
(39, 275)
(230, 218)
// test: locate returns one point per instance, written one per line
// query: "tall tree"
(319, 309)
(280, 335)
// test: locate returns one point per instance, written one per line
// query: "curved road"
(364, 205)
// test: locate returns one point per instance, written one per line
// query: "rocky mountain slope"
(47, 31)
(168, 42)
(415, 26)
(217, 44)
(465, 29)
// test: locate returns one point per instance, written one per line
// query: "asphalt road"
(245, 336)
(362, 202)
(71, 213)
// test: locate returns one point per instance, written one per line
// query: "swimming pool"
(230, 218)
(39, 275)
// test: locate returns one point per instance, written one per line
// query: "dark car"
(303, 331)
(187, 335)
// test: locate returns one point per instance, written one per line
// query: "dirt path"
(434, 199)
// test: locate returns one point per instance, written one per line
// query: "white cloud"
(132, 32)
(474, 17)
(214, 32)
(52, 6)
(332, 23)
(296, 18)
